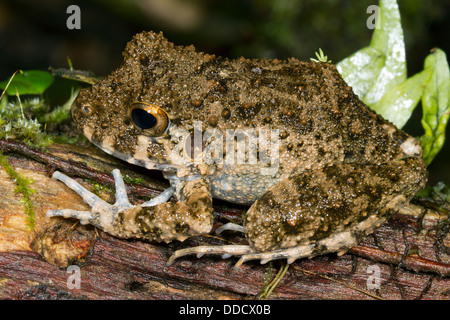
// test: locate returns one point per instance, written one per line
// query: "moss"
(27, 120)
(60, 113)
(22, 188)
(439, 192)
(98, 188)
(134, 181)
(321, 57)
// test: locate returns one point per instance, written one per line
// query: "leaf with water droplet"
(388, 39)
(398, 104)
(361, 69)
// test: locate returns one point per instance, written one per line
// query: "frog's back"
(320, 121)
(337, 173)
(319, 118)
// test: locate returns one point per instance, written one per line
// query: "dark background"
(33, 34)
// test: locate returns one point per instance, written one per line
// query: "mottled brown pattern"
(171, 220)
(341, 170)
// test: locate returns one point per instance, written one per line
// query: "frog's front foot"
(103, 214)
(155, 220)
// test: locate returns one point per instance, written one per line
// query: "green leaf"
(388, 39)
(361, 69)
(321, 57)
(435, 105)
(28, 82)
(398, 103)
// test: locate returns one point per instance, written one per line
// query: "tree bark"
(407, 258)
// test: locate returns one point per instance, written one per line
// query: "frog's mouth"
(151, 165)
(169, 171)
(140, 156)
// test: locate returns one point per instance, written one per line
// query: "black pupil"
(143, 119)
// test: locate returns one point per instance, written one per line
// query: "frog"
(316, 167)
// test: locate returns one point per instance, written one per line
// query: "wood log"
(407, 258)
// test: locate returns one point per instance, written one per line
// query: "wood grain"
(410, 253)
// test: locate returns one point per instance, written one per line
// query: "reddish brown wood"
(410, 252)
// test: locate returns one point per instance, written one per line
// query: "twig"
(267, 290)
(410, 262)
(9, 82)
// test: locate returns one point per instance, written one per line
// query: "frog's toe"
(246, 252)
(265, 257)
(85, 217)
(249, 253)
(230, 226)
(88, 197)
(102, 213)
(225, 251)
(161, 198)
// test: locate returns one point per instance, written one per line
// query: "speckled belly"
(241, 187)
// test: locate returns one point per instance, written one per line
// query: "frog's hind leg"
(314, 212)
(339, 242)
(230, 226)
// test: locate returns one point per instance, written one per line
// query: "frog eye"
(86, 109)
(150, 118)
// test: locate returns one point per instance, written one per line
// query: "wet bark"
(407, 258)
